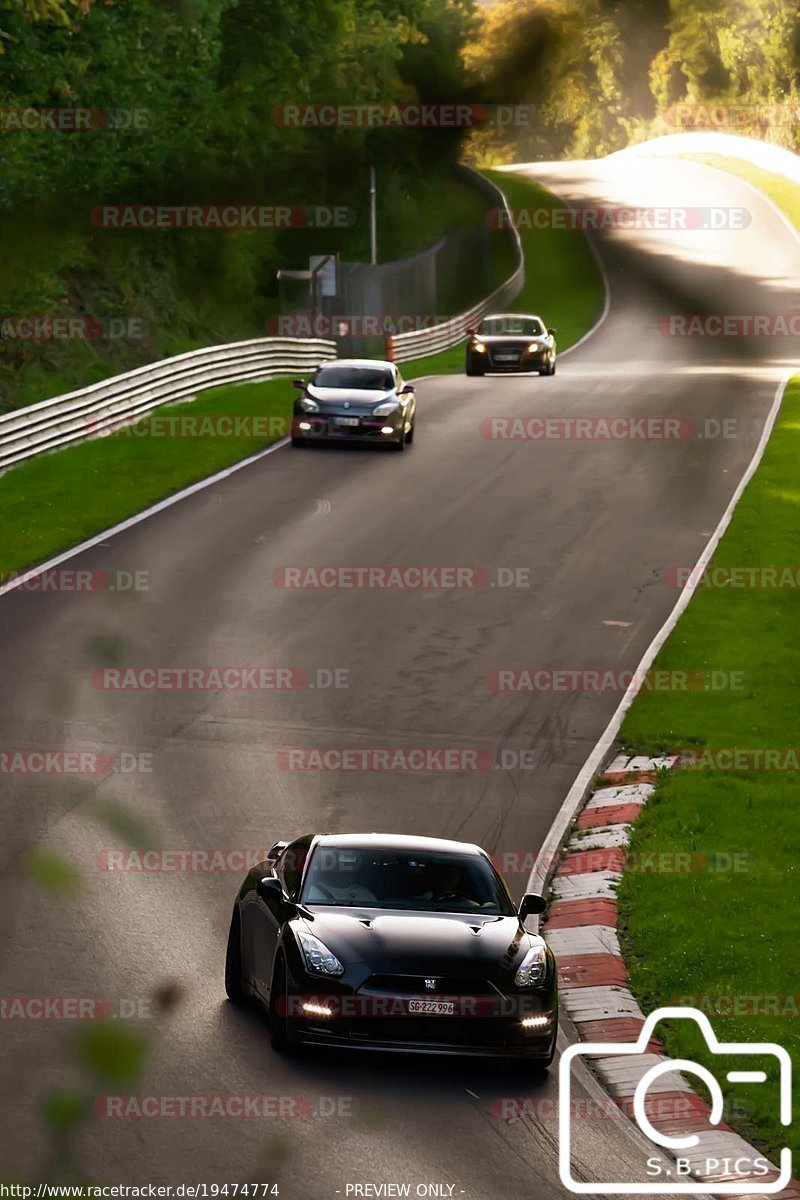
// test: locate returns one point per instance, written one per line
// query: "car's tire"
(410, 435)
(471, 369)
(298, 443)
(278, 1021)
(234, 984)
(400, 444)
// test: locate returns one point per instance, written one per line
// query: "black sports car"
(511, 342)
(372, 941)
(355, 399)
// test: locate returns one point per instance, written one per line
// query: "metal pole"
(373, 222)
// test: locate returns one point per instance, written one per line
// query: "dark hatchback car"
(355, 399)
(371, 941)
(512, 342)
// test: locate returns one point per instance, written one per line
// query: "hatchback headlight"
(318, 958)
(479, 346)
(308, 405)
(534, 346)
(387, 408)
(533, 968)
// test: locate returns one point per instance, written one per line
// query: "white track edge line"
(137, 518)
(546, 858)
(33, 572)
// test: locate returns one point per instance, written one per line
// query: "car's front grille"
(443, 1031)
(507, 353)
(420, 985)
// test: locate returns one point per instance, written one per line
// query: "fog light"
(306, 425)
(535, 1022)
(387, 429)
(318, 1010)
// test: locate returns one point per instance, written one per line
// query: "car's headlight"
(385, 409)
(318, 958)
(479, 347)
(533, 968)
(534, 346)
(308, 405)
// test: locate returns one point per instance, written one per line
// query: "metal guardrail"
(401, 347)
(104, 406)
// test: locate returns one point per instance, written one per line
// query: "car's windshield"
(526, 326)
(372, 379)
(404, 879)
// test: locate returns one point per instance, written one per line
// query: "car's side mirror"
(277, 850)
(298, 383)
(532, 905)
(551, 329)
(407, 390)
(269, 889)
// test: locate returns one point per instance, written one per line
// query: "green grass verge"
(729, 933)
(61, 499)
(784, 192)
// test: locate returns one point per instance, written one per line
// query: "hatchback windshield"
(525, 326)
(372, 379)
(404, 879)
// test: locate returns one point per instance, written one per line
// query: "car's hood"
(501, 339)
(357, 399)
(420, 943)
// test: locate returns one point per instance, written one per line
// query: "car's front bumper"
(539, 1049)
(329, 427)
(479, 1027)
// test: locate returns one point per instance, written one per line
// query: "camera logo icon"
(690, 1173)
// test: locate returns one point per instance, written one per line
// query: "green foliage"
(603, 73)
(185, 102)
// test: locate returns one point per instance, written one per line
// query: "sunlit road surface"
(596, 524)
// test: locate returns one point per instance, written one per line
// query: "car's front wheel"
(472, 369)
(279, 1010)
(234, 985)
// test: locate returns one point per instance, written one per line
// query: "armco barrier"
(401, 347)
(123, 398)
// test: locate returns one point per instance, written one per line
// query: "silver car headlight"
(387, 408)
(308, 405)
(533, 969)
(318, 958)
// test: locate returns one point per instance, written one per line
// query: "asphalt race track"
(592, 526)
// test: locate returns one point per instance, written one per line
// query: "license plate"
(507, 357)
(433, 1008)
(345, 420)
